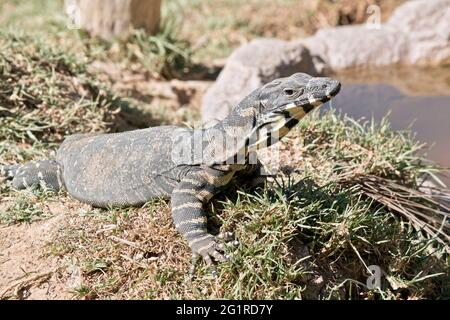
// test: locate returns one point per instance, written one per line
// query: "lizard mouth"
(335, 88)
(317, 97)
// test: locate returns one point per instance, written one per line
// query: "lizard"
(187, 165)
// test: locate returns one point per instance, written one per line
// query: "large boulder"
(417, 33)
(357, 46)
(426, 24)
(249, 67)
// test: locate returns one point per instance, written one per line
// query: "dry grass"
(162, 55)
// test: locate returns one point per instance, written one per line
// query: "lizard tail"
(34, 173)
(10, 171)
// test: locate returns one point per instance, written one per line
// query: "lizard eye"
(291, 92)
(288, 92)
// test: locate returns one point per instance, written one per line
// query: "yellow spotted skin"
(131, 168)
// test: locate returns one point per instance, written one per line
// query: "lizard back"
(119, 169)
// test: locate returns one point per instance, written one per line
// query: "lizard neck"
(227, 140)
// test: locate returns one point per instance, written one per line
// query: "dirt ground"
(27, 270)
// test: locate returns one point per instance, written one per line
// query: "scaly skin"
(131, 168)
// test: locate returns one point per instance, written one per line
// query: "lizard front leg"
(187, 202)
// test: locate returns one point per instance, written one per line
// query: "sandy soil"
(27, 270)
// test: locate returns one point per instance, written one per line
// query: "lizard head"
(284, 101)
(268, 114)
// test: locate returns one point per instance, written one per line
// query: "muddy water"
(415, 98)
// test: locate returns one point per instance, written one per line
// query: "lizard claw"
(228, 239)
(194, 260)
(226, 236)
(211, 249)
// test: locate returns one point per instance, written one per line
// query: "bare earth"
(27, 270)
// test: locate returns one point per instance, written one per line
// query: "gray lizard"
(190, 166)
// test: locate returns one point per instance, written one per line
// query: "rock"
(426, 23)
(417, 33)
(250, 66)
(356, 46)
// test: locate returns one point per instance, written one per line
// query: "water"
(416, 98)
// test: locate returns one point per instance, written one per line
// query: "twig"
(127, 242)
(20, 284)
(427, 215)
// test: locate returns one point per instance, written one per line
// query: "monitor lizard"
(189, 166)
